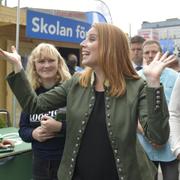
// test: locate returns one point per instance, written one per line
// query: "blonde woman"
(45, 70)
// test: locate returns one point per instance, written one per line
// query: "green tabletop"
(11, 133)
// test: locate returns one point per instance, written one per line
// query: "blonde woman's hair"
(113, 57)
(45, 50)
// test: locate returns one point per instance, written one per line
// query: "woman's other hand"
(13, 58)
(153, 70)
(51, 124)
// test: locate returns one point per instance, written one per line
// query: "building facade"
(167, 32)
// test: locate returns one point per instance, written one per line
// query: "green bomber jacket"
(140, 101)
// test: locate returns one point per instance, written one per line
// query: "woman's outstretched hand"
(153, 70)
(14, 58)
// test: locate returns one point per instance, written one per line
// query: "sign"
(167, 45)
(46, 26)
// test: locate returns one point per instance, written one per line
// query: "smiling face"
(90, 49)
(47, 68)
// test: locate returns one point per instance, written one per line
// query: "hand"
(50, 124)
(6, 142)
(154, 69)
(14, 58)
(139, 128)
(40, 134)
(156, 146)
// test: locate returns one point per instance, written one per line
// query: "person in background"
(45, 70)
(136, 43)
(160, 154)
(174, 120)
(103, 105)
(176, 65)
(72, 62)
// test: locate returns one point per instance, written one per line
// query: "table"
(15, 165)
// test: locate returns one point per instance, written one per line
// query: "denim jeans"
(45, 169)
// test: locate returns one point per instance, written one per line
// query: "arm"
(30, 102)
(154, 118)
(44, 130)
(51, 124)
(174, 109)
(26, 95)
(38, 133)
(25, 130)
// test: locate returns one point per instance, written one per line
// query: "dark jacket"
(121, 120)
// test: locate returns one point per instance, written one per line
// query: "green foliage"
(2, 123)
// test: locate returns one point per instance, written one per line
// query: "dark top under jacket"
(95, 159)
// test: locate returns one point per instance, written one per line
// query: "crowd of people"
(160, 155)
(117, 116)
